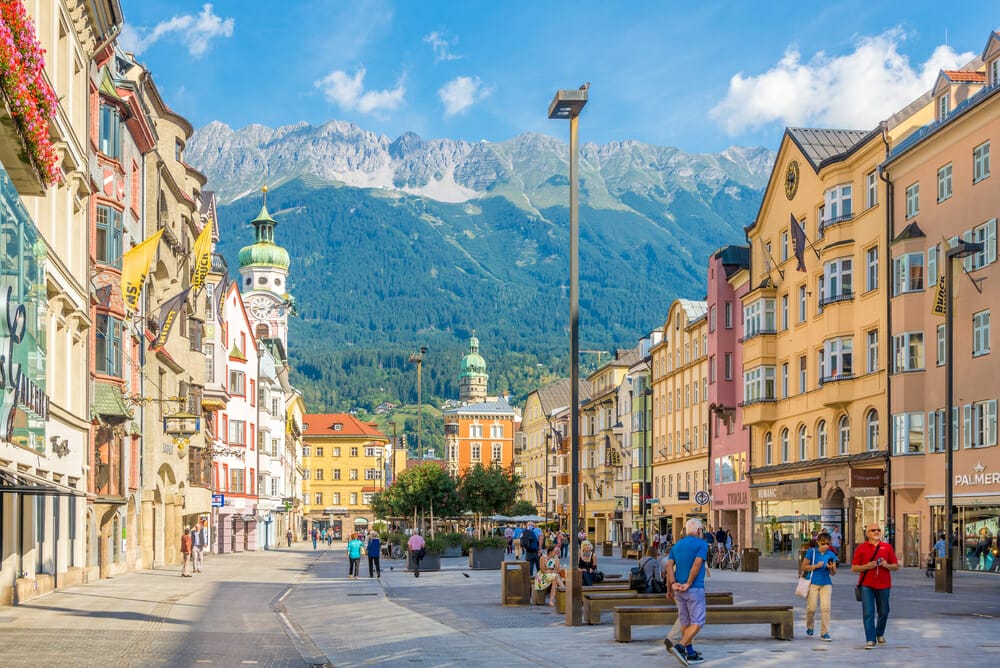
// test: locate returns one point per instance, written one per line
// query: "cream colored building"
(680, 418)
(542, 436)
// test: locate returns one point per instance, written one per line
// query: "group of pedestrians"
(374, 551)
(193, 548)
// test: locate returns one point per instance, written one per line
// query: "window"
(872, 361)
(784, 311)
(372, 452)
(839, 359)
(306, 451)
(943, 107)
(995, 72)
(237, 432)
(728, 366)
(783, 253)
(319, 451)
(982, 431)
(336, 451)
(109, 346)
(366, 498)
(802, 374)
(784, 446)
(758, 384)
(237, 382)
(980, 162)
(711, 369)
(354, 498)
(475, 431)
(802, 443)
(843, 435)
(354, 474)
(336, 474)
(110, 139)
(354, 452)
(871, 430)
(908, 433)
(871, 189)
(497, 451)
(729, 315)
(319, 474)
(373, 474)
(109, 243)
(839, 282)
(768, 454)
(908, 351)
(908, 273)
(306, 474)
(912, 200)
(711, 318)
(236, 481)
(871, 262)
(758, 318)
(985, 234)
(837, 204)
(476, 452)
(784, 380)
(336, 498)
(821, 439)
(941, 342)
(944, 183)
(981, 333)
(802, 303)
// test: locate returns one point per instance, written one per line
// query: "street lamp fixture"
(960, 250)
(418, 358)
(567, 105)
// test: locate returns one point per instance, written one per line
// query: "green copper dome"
(263, 251)
(473, 363)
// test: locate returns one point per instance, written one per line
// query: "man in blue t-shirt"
(818, 564)
(685, 575)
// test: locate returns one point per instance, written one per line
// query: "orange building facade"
(480, 433)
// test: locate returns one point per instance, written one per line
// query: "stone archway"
(832, 515)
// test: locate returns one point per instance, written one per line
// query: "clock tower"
(263, 276)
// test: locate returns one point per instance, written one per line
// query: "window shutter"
(968, 238)
(932, 270)
(931, 431)
(991, 422)
(991, 241)
(954, 427)
(967, 426)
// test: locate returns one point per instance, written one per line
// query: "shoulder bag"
(802, 588)
(861, 578)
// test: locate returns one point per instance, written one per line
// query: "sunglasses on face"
(874, 531)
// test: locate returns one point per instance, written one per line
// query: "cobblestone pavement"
(296, 607)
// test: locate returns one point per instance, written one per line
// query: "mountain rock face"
(521, 169)
(401, 243)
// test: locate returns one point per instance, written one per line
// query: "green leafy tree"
(420, 490)
(521, 507)
(486, 490)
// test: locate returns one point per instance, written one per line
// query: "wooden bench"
(778, 616)
(631, 553)
(539, 596)
(594, 603)
(613, 587)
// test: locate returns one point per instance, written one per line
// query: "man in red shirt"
(875, 561)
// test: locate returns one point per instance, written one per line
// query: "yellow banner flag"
(135, 267)
(940, 305)
(202, 257)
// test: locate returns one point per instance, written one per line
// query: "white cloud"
(442, 46)
(195, 32)
(461, 93)
(348, 92)
(855, 91)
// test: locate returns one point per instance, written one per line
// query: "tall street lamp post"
(567, 104)
(960, 250)
(646, 456)
(419, 359)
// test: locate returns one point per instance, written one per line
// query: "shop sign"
(335, 511)
(980, 477)
(868, 478)
(787, 491)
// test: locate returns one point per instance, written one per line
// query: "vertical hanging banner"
(168, 316)
(202, 257)
(135, 268)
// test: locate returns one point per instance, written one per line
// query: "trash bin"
(608, 546)
(751, 560)
(942, 575)
(515, 583)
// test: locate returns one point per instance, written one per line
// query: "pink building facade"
(728, 441)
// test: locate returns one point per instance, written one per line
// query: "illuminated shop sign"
(980, 477)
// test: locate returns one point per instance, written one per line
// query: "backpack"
(637, 579)
(529, 541)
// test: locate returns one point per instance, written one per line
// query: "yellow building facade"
(680, 419)
(814, 342)
(344, 461)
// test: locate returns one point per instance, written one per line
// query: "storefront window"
(781, 528)
(976, 539)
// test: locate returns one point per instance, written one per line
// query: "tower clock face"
(792, 179)
(261, 307)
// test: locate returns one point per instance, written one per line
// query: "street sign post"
(702, 498)
(218, 500)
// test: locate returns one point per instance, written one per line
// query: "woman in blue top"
(354, 554)
(818, 564)
(374, 551)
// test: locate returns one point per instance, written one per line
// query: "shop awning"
(16, 482)
(360, 520)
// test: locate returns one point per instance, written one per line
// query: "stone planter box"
(486, 558)
(431, 562)
(452, 551)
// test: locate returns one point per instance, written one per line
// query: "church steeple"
(264, 272)
(472, 376)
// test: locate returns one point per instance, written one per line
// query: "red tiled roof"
(323, 424)
(964, 76)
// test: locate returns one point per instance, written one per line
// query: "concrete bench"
(539, 596)
(594, 603)
(778, 616)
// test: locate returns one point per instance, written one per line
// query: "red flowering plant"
(29, 96)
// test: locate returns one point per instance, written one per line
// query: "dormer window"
(994, 72)
(338, 426)
(944, 106)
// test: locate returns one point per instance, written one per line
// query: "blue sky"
(699, 76)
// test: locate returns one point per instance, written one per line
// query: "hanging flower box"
(28, 104)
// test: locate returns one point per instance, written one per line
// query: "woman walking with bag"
(875, 561)
(354, 554)
(818, 565)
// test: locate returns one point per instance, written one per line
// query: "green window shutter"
(932, 442)
(967, 426)
(991, 422)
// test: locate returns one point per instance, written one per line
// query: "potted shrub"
(453, 544)
(434, 547)
(487, 553)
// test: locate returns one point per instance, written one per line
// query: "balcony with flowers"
(29, 104)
